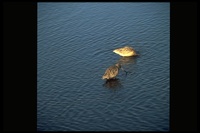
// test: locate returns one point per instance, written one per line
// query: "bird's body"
(125, 51)
(112, 72)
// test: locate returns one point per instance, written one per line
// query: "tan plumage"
(112, 71)
(125, 51)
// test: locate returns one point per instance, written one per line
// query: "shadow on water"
(113, 84)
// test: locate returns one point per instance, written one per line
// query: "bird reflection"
(127, 60)
(113, 84)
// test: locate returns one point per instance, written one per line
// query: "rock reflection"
(113, 84)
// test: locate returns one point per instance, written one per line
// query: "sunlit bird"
(112, 71)
(125, 51)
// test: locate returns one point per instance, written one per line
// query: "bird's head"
(118, 65)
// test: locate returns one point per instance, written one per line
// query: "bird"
(125, 51)
(111, 72)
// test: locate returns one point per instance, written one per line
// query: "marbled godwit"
(112, 71)
(125, 51)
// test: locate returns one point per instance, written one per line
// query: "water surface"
(75, 44)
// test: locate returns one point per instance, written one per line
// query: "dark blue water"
(75, 44)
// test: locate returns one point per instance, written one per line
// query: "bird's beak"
(123, 69)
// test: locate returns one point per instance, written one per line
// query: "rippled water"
(75, 43)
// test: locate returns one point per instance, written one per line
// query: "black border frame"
(20, 66)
